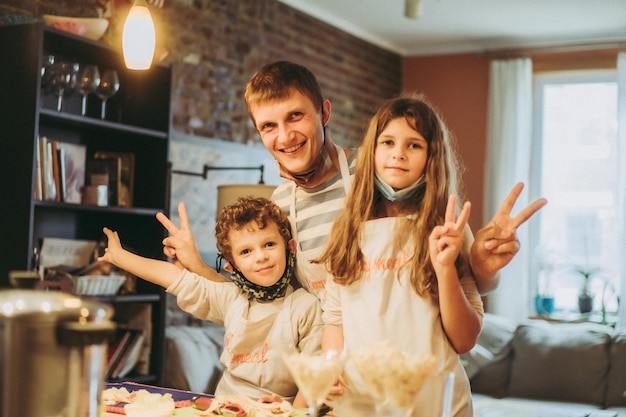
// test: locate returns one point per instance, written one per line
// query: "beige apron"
(382, 305)
(313, 276)
(253, 350)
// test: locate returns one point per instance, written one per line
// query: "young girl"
(264, 317)
(398, 267)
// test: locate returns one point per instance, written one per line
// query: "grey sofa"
(542, 369)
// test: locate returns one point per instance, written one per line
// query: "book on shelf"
(124, 352)
(48, 185)
(130, 357)
(38, 171)
(60, 170)
(137, 316)
(54, 161)
(73, 166)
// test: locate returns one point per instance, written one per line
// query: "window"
(575, 166)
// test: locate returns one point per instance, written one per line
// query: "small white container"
(98, 284)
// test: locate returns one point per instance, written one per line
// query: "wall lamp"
(228, 194)
(206, 168)
(413, 9)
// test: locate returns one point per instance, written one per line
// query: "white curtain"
(621, 146)
(509, 141)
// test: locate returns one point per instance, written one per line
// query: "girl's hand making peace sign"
(446, 240)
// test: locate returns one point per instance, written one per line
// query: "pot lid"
(51, 306)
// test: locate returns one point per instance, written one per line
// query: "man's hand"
(496, 243)
(180, 246)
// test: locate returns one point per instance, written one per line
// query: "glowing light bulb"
(138, 37)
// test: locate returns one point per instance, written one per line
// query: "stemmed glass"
(109, 86)
(46, 71)
(395, 379)
(63, 78)
(315, 375)
(88, 81)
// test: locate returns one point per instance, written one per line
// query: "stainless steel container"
(53, 353)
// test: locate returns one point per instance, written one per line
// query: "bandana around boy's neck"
(271, 292)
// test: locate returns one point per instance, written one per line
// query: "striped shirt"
(315, 212)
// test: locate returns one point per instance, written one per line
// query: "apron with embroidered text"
(253, 350)
(382, 305)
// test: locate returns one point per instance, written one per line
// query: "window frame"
(540, 80)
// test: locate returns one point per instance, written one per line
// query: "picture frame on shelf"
(125, 180)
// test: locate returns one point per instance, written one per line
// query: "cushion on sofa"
(616, 380)
(193, 357)
(488, 363)
(567, 362)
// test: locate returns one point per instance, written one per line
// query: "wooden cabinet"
(137, 123)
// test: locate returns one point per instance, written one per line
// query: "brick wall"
(215, 46)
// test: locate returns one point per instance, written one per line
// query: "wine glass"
(46, 71)
(62, 79)
(109, 86)
(87, 82)
(315, 375)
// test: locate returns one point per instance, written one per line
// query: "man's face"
(292, 130)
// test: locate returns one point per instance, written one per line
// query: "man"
(286, 105)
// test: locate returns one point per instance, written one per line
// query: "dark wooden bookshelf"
(138, 122)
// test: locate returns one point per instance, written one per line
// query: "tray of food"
(141, 400)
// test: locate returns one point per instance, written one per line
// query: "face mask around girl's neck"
(392, 194)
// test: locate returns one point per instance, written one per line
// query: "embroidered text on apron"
(253, 351)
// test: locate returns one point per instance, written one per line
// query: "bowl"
(98, 284)
(89, 27)
(24, 279)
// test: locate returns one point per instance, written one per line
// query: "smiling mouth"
(263, 270)
(292, 148)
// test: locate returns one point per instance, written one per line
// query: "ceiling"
(456, 26)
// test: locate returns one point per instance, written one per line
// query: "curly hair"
(246, 210)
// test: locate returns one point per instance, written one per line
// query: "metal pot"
(53, 353)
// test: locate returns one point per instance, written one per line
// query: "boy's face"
(292, 129)
(260, 254)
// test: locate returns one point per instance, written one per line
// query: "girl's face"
(400, 155)
(260, 254)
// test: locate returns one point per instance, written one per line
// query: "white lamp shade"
(138, 37)
(228, 194)
(413, 8)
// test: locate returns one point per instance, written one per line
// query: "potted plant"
(585, 296)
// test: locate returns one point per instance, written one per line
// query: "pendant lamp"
(138, 37)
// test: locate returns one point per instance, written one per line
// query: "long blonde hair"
(343, 256)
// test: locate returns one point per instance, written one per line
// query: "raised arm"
(158, 272)
(460, 320)
(496, 243)
(180, 246)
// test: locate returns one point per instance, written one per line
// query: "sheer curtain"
(621, 143)
(509, 142)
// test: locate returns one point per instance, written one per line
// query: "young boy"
(264, 316)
